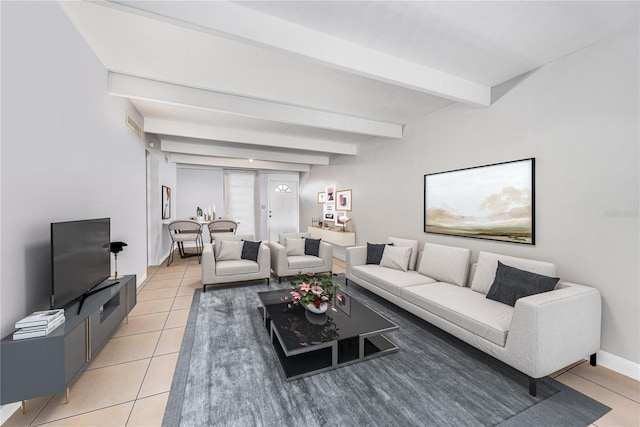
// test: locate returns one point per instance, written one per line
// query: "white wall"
(579, 118)
(200, 187)
(159, 172)
(67, 153)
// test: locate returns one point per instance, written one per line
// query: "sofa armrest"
(279, 262)
(554, 329)
(326, 253)
(356, 255)
(264, 259)
(208, 264)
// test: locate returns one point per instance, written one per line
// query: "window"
(239, 199)
(282, 188)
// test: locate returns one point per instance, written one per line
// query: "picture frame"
(493, 202)
(343, 200)
(330, 193)
(166, 202)
(322, 196)
(328, 212)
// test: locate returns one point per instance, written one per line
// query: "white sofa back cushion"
(283, 236)
(413, 244)
(232, 237)
(488, 264)
(445, 263)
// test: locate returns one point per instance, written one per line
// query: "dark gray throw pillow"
(512, 283)
(375, 251)
(311, 246)
(250, 250)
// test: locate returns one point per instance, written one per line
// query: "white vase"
(312, 308)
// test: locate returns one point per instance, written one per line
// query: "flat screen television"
(80, 258)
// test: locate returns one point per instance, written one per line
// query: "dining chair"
(221, 226)
(185, 230)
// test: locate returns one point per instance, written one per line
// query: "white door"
(283, 208)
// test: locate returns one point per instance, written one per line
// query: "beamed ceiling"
(292, 84)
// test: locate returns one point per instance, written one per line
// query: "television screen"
(80, 258)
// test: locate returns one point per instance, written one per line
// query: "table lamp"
(114, 248)
(344, 220)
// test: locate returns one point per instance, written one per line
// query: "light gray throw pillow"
(396, 257)
(294, 246)
(230, 250)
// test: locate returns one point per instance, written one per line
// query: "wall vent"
(135, 126)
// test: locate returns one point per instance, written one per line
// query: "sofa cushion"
(232, 268)
(445, 263)
(311, 246)
(463, 307)
(374, 252)
(396, 257)
(512, 283)
(413, 244)
(294, 246)
(488, 264)
(389, 279)
(250, 250)
(230, 250)
(298, 262)
(283, 236)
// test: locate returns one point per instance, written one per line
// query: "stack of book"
(38, 324)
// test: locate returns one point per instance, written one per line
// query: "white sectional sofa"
(539, 335)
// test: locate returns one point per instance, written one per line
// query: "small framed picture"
(166, 202)
(343, 200)
(330, 192)
(329, 212)
(322, 197)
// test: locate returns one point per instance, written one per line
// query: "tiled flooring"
(128, 383)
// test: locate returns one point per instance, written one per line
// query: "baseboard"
(140, 280)
(619, 365)
(7, 410)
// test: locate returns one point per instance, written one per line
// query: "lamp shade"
(116, 247)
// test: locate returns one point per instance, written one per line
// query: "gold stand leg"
(23, 406)
(67, 401)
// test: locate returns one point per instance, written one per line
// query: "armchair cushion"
(236, 267)
(512, 283)
(250, 250)
(230, 250)
(294, 246)
(299, 262)
(311, 246)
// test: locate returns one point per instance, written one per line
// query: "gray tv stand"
(42, 366)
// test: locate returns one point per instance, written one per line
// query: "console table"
(339, 238)
(40, 366)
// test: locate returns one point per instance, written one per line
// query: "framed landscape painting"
(495, 202)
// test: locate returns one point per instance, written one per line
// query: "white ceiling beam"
(241, 23)
(244, 136)
(172, 94)
(226, 162)
(204, 148)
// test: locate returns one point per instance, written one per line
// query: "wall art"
(495, 202)
(343, 200)
(166, 202)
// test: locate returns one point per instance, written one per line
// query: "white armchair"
(289, 260)
(223, 261)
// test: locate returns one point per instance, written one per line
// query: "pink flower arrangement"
(312, 289)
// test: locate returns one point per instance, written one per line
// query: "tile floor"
(128, 382)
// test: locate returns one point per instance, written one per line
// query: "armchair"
(289, 258)
(228, 260)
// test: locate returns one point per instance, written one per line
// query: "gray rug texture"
(227, 374)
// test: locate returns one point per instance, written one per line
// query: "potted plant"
(315, 292)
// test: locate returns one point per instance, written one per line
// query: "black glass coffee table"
(308, 344)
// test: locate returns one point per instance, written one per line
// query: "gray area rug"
(228, 375)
